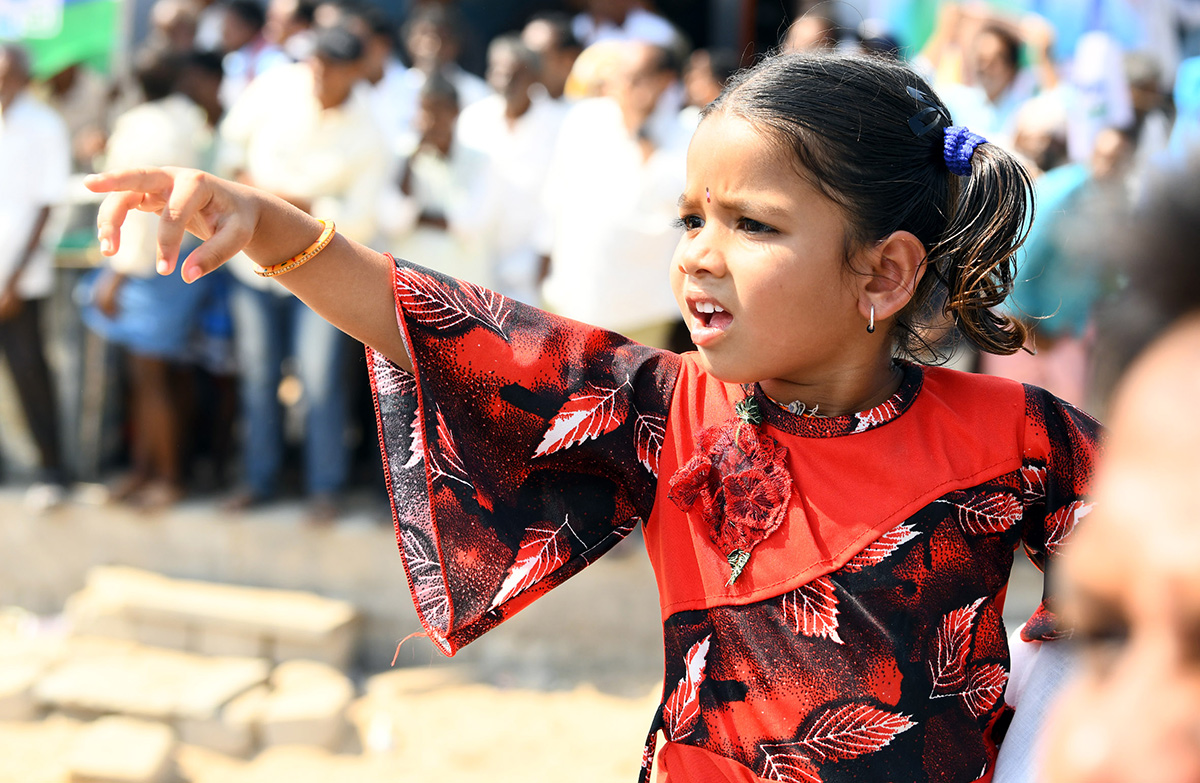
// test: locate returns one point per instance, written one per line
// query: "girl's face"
(760, 271)
(1132, 588)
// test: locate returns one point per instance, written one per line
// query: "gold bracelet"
(300, 258)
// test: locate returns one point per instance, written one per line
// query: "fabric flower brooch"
(739, 481)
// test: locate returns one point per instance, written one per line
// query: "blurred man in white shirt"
(611, 192)
(515, 128)
(433, 212)
(551, 38)
(431, 38)
(622, 20)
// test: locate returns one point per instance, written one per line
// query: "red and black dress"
(831, 588)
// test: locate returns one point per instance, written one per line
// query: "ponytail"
(872, 135)
(989, 217)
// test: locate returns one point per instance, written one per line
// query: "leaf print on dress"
(985, 687)
(445, 461)
(1033, 483)
(852, 730)
(428, 582)
(541, 553)
(416, 445)
(390, 379)
(786, 766)
(588, 413)
(948, 667)
(1061, 524)
(442, 306)
(812, 610)
(874, 553)
(838, 733)
(682, 710)
(984, 513)
(648, 433)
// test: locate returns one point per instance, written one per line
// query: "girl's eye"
(751, 226)
(689, 222)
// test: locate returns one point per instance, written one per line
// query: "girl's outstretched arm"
(346, 284)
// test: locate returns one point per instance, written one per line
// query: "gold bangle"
(300, 258)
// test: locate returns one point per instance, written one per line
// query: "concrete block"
(99, 623)
(336, 648)
(218, 641)
(307, 706)
(89, 615)
(234, 730)
(122, 750)
(37, 751)
(17, 679)
(103, 625)
(163, 632)
(24, 657)
(180, 614)
(150, 682)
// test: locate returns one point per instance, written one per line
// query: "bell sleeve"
(521, 448)
(1064, 444)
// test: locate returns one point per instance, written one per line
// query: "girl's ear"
(895, 266)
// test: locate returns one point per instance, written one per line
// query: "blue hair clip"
(960, 145)
(928, 117)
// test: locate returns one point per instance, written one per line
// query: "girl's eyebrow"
(738, 205)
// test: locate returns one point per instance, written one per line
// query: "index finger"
(144, 180)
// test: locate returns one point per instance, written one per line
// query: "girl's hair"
(846, 119)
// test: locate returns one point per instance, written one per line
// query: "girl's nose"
(701, 255)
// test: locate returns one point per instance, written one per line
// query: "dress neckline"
(809, 426)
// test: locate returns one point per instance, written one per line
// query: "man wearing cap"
(306, 133)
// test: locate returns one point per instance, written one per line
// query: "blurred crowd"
(551, 177)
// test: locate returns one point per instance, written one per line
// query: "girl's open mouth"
(711, 320)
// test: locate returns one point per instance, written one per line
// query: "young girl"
(831, 527)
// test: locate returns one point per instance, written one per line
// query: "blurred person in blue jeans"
(304, 132)
(152, 317)
(35, 160)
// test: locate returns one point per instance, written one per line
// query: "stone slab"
(17, 681)
(334, 649)
(117, 749)
(234, 731)
(150, 683)
(37, 751)
(307, 706)
(163, 632)
(144, 594)
(216, 641)
(24, 658)
(217, 619)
